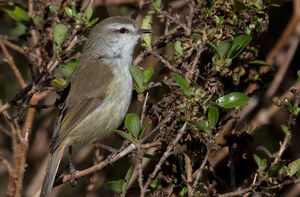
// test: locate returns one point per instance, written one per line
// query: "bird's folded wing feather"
(89, 85)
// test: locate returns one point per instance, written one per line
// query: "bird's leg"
(72, 168)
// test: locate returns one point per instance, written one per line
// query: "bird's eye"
(123, 30)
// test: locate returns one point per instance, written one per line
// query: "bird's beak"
(144, 31)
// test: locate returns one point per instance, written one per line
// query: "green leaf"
(214, 47)
(93, 22)
(239, 43)
(154, 183)
(156, 4)
(52, 9)
(259, 62)
(274, 169)
(117, 186)
(213, 116)
(147, 75)
(294, 167)
(261, 163)
(183, 192)
(298, 74)
(67, 70)
(58, 84)
(234, 99)
(16, 12)
(202, 126)
(284, 128)
(128, 174)
(69, 12)
(133, 124)
(125, 135)
(139, 79)
(223, 48)
(19, 29)
(182, 83)
(178, 48)
(146, 24)
(89, 12)
(60, 32)
(144, 127)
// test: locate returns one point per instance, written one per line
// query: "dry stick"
(165, 156)
(200, 170)
(289, 30)
(104, 163)
(165, 62)
(164, 121)
(294, 42)
(144, 108)
(189, 172)
(140, 171)
(12, 64)
(239, 192)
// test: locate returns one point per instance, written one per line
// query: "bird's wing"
(89, 86)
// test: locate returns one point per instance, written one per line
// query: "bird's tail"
(52, 168)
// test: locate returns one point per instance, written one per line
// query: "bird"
(100, 90)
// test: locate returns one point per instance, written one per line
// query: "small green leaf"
(139, 79)
(183, 192)
(52, 8)
(156, 4)
(68, 11)
(128, 174)
(234, 99)
(274, 169)
(298, 74)
(202, 126)
(146, 24)
(133, 124)
(182, 83)
(259, 62)
(117, 186)
(125, 135)
(239, 43)
(284, 128)
(154, 183)
(16, 12)
(144, 127)
(147, 75)
(19, 30)
(223, 48)
(58, 84)
(214, 47)
(178, 48)
(93, 22)
(60, 32)
(257, 160)
(213, 116)
(89, 12)
(294, 167)
(67, 70)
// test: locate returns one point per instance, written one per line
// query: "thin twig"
(102, 164)
(200, 170)
(165, 62)
(12, 64)
(189, 172)
(166, 154)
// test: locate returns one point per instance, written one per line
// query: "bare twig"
(103, 164)
(201, 170)
(166, 154)
(189, 172)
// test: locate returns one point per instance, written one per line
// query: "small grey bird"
(100, 91)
